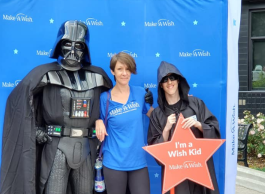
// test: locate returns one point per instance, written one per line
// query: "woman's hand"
(100, 130)
(191, 122)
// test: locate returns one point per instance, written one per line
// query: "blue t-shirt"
(122, 149)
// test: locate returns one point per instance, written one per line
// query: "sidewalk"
(249, 181)
(243, 190)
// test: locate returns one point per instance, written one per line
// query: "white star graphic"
(156, 175)
(157, 54)
(195, 85)
(195, 22)
(51, 21)
(123, 23)
(15, 51)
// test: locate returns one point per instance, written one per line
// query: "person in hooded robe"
(173, 99)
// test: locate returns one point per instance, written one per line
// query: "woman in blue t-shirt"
(124, 161)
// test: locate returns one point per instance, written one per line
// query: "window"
(257, 44)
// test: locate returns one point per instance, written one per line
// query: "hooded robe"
(188, 106)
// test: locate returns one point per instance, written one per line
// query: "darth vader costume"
(48, 145)
(188, 106)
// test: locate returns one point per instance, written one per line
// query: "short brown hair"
(125, 59)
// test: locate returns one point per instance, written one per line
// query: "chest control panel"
(80, 107)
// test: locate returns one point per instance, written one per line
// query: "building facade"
(252, 57)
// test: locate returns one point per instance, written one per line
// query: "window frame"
(250, 48)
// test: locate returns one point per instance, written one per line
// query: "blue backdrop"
(191, 34)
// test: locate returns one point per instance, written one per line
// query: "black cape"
(20, 164)
(190, 106)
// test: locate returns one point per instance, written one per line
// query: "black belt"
(75, 132)
(59, 131)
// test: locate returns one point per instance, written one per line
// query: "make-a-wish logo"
(10, 84)
(233, 135)
(43, 52)
(195, 53)
(149, 85)
(132, 106)
(133, 54)
(160, 22)
(21, 17)
(93, 22)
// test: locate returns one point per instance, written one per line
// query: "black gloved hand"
(42, 136)
(148, 97)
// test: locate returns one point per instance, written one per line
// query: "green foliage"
(260, 83)
(256, 137)
(261, 169)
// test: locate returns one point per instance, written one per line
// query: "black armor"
(60, 89)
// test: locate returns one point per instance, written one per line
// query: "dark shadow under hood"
(164, 69)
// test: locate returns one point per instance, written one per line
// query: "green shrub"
(256, 137)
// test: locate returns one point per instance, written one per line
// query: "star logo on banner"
(15, 51)
(185, 157)
(156, 175)
(51, 21)
(234, 22)
(195, 22)
(157, 54)
(123, 23)
(195, 85)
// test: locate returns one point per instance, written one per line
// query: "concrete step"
(257, 175)
(250, 178)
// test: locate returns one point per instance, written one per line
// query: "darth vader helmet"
(71, 47)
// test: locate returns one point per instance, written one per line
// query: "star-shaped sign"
(157, 54)
(185, 157)
(156, 175)
(195, 22)
(51, 21)
(15, 51)
(123, 23)
(195, 85)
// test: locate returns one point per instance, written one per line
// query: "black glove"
(148, 97)
(42, 136)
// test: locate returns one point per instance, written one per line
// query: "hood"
(164, 69)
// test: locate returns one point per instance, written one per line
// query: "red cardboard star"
(185, 157)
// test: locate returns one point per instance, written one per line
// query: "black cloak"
(190, 106)
(20, 164)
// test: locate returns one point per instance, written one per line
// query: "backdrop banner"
(233, 22)
(199, 36)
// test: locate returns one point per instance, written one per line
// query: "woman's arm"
(149, 111)
(101, 131)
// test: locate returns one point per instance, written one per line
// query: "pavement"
(244, 190)
(249, 181)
